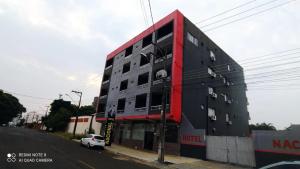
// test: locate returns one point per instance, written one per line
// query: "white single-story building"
(83, 125)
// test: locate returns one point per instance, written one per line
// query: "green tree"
(86, 110)
(59, 120)
(9, 107)
(59, 115)
(261, 126)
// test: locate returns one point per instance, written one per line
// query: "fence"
(236, 150)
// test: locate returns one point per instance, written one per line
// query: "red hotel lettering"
(191, 138)
(295, 144)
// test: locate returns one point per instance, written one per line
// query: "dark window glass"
(156, 99)
(124, 85)
(109, 62)
(165, 30)
(126, 67)
(106, 77)
(103, 92)
(98, 137)
(143, 78)
(101, 107)
(121, 105)
(140, 101)
(128, 51)
(144, 61)
(147, 40)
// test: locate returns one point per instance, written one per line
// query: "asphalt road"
(30, 149)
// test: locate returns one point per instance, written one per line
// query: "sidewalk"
(177, 162)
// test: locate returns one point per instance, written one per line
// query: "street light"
(76, 114)
(70, 97)
(161, 74)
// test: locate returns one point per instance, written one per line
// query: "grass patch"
(68, 136)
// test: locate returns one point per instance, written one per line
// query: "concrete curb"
(141, 161)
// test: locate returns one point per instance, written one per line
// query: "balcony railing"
(108, 67)
(141, 109)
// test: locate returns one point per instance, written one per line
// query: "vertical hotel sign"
(109, 128)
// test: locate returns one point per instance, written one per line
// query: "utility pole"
(162, 74)
(91, 122)
(33, 117)
(76, 114)
(46, 114)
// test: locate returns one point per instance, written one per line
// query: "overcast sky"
(51, 47)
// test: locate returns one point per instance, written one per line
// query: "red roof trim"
(146, 32)
(176, 88)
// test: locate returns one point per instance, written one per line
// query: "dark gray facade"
(228, 85)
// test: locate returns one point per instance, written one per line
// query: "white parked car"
(283, 165)
(93, 140)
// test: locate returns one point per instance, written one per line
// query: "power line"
(243, 63)
(270, 54)
(226, 11)
(220, 20)
(205, 75)
(149, 3)
(144, 12)
(29, 96)
(262, 11)
(224, 65)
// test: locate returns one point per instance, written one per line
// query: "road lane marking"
(86, 164)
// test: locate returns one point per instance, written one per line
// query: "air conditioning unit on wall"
(214, 95)
(214, 118)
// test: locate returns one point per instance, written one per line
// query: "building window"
(228, 67)
(211, 91)
(126, 67)
(124, 85)
(192, 39)
(147, 40)
(101, 107)
(144, 60)
(105, 78)
(165, 30)
(121, 105)
(212, 56)
(156, 101)
(143, 78)
(128, 51)
(211, 72)
(141, 101)
(138, 132)
(109, 63)
(212, 114)
(227, 118)
(165, 51)
(103, 92)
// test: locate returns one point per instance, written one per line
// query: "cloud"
(72, 21)
(94, 80)
(71, 77)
